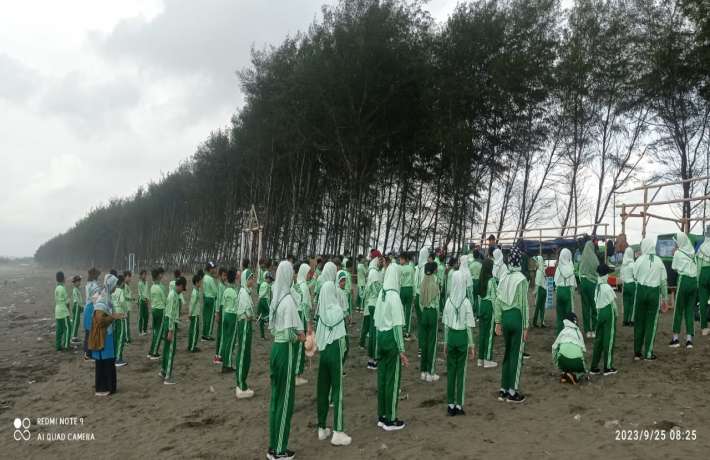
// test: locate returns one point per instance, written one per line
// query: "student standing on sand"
(565, 283)
(193, 330)
(128, 301)
(704, 283)
(429, 300)
(157, 306)
(62, 314)
(302, 296)
(101, 338)
(245, 317)
(221, 287)
(474, 266)
(265, 300)
(406, 292)
(587, 285)
(458, 322)
(211, 293)
(685, 264)
(229, 323)
(287, 330)
(330, 340)
(341, 283)
(568, 351)
(487, 293)
(77, 307)
(605, 303)
(628, 286)
(372, 293)
(511, 316)
(143, 303)
(118, 300)
(651, 287)
(540, 293)
(172, 317)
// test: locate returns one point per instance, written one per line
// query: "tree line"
(379, 127)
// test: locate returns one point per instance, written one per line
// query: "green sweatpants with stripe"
(456, 366)
(229, 338)
(704, 295)
(629, 297)
(417, 313)
(218, 330)
(540, 299)
(158, 331)
(244, 334)
(365, 330)
(63, 338)
(406, 295)
(128, 327)
(330, 384)
(572, 365)
(564, 305)
(388, 375)
(685, 298)
(263, 310)
(487, 332)
(75, 320)
(208, 317)
(119, 338)
(282, 368)
(142, 316)
(193, 333)
(589, 311)
(168, 352)
(605, 337)
(474, 297)
(646, 321)
(301, 357)
(427, 339)
(512, 325)
(372, 335)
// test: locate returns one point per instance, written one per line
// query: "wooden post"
(645, 208)
(623, 219)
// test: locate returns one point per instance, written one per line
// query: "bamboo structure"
(520, 234)
(252, 231)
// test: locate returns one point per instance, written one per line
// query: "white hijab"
(283, 312)
(499, 267)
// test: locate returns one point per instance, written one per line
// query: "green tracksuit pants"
(218, 330)
(301, 356)
(119, 338)
(208, 317)
(169, 352)
(572, 365)
(244, 334)
(193, 333)
(263, 311)
(704, 295)
(629, 298)
(158, 331)
(128, 327)
(75, 320)
(63, 333)
(372, 335)
(589, 311)
(142, 316)
(427, 339)
(475, 299)
(282, 367)
(330, 384)
(406, 295)
(605, 338)
(564, 305)
(646, 320)
(685, 298)
(365, 330)
(540, 299)
(487, 330)
(388, 376)
(456, 366)
(229, 338)
(512, 325)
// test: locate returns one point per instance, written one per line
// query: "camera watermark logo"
(22, 429)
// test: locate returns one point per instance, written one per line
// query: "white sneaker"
(422, 376)
(432, 378)
(489, 364)
(300, 381)
(244, 394)
(588, 335)
(340, 439)
(705, 331)
(480, 363)
(323, 433)
(594, 335)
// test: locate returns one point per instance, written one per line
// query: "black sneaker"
(526, 355)
(516, 398)
(595, 371)
(675, 343)
(459, 411)
(610, 371)
(689, 344)
(394, 425)
(651, 358)
(502, 395)
(288, 455)
(381, 422)
(450, 411)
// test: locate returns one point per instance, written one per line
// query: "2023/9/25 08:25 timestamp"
(656, 435)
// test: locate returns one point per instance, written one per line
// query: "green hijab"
(589, 262)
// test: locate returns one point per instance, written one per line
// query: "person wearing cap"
(605, 303)
(628, 286)
(172, 318)
(686, 265)
(568, 351)
(229, 323)
(540, 293)
(565, 282)
(264, 300)
(62, 314)
(511, 318)
(245, 316)
(304, 303)
(210, 292)
(429, 294)
(406, 291)
(143, 302)
(704, 283)
(587, 285)
(77, 307)
(193, 330)
(389, 321)
(651, 292)
(157, 306)
(458, 322)
(372, 292)
(221, 281)
(488, 285)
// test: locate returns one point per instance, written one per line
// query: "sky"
(100, 97)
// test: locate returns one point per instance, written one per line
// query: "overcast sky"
(99, 97)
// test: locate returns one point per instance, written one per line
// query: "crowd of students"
(310, 306)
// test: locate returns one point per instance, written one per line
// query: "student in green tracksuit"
(341, 282)
(128, 298)
(193, 331)
(429, 300)
(458, 322)
(172, 318)
(487, 293)
(605, 303)
(330, 341)
(372, 292)
(686, 265)
(474, 266)
(540, 293)
(406, 292)
(221, 286)
(587, 285)
(157, 307)
(302, 296)
(500, 269)
(511, 316)
(704, 283)
(565, 282)
(62, 314)
(264, 301)
(210, 292)
(245, 318)
(422, 259)
(287, 330)
(389, 321)
(118, 299)
(361, 282)
(628, 286)
(228, 333)
(651, 287)
(348, 288)
(568, 351)
(143, 303)
(76, 308)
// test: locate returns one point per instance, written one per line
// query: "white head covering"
(303, 271)
(458, 304)
(648, 247)
(457, 291)
(465, 268)
(389, 311)
(102, 302)
(499, 268)
(565, 269)
(328, 273)
(628, 256)
(373, 272)
(423, 257)
(684, 244)
(331, 324)
(283, 313)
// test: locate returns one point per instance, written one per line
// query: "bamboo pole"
(666, 184)
(678, 200)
